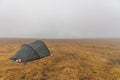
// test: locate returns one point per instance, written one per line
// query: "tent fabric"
(32, 51)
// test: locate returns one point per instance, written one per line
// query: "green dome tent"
(31, 51)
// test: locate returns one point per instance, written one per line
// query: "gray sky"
(60, 18)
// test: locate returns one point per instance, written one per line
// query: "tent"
(31, 51)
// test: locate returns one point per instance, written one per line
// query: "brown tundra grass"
(84, 59)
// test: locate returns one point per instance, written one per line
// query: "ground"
(72, 59)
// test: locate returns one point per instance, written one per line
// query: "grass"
(82, 59)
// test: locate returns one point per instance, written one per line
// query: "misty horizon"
(60, 19)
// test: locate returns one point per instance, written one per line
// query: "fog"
(60, 18)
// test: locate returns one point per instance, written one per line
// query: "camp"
(31, 51)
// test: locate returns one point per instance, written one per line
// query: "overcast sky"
(60, 18)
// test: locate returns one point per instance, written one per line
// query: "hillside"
(84, 59)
